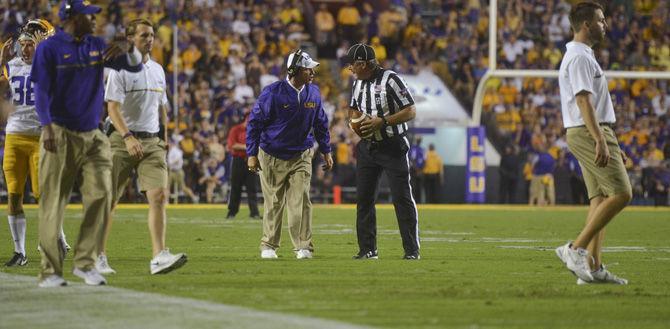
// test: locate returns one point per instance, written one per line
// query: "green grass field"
(481, 267)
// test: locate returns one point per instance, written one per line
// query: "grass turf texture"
(481, 267)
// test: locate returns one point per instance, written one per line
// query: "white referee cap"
(305, 61)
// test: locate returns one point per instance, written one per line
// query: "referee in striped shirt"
(384, 96)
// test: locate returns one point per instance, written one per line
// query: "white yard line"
(605, 249)
(24, 305)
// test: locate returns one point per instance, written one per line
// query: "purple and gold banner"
(475, 168)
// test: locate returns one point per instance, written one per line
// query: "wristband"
(128, 134)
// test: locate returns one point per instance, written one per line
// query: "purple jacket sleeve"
(258, 118)
(321, 132)
(41, 74)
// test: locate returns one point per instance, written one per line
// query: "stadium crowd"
(229, 50)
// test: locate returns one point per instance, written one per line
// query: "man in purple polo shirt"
(68, 77)
(282, 126)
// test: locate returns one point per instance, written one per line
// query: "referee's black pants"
(389, 156)
(239, 176)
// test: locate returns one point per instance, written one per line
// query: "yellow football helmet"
(36, 30)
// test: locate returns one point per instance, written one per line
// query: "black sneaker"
(230, 216)
(414, 256)
(256, 217)
(17, 260)
(367, 255)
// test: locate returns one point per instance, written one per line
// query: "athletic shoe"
(17, 260)
(576, 261)
(230, 216)
(367, 255)
(414, 256)
(256, 217)
(602, 275)
(166, 262)
(102, 265)
(52, 281)
(91, 277)
(268, 254)
(303, 254)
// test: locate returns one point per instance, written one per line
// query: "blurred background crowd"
(229, 50)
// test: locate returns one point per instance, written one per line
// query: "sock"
(17, 225)
(21, 229)
(12, 228)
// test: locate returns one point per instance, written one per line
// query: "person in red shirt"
(240, 175)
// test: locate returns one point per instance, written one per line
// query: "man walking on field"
(137, 105)
(67, 76)
(588, 115)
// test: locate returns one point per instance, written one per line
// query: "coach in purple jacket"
(67, 75)
(283, 124)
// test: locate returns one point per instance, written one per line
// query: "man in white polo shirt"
(588, 115)
(137, 105)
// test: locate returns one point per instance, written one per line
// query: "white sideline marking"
(481, 240)
(605, 249)
(24, 305)
(434, 239)
(527, 247)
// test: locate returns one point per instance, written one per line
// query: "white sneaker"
(303, 254)
(166, 262)
(576, 261)
(268, 254)
(91, 277)
(602, 275)
(102, 265)
(52, 281)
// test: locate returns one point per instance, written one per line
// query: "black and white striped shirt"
(382, 95)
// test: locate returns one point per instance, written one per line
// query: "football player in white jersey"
(23, 130)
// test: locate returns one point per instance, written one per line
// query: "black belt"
(144, 134)
(390, 143)
(602, 124)
(137, 134)
(389, 139)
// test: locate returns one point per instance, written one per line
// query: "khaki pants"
(82, 155)
(176, 180)
(152, 171)
(286, 183)
(607, 181)
(542, 189)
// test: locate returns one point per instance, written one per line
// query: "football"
(357, 118)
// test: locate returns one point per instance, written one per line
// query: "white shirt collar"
(294, 88)
(580, 45)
